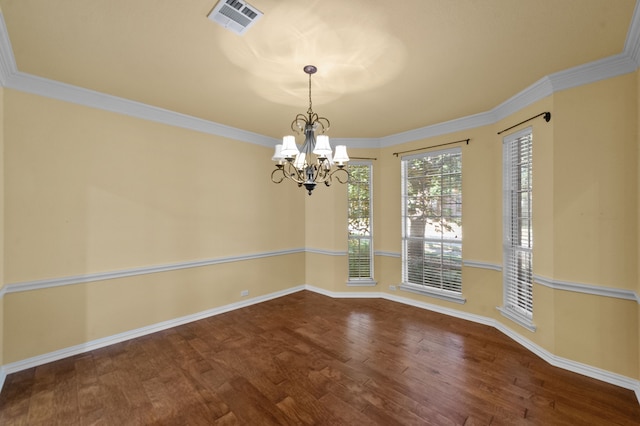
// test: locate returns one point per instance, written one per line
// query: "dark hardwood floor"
(309, 359)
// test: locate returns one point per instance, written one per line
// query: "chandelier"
(314, 162)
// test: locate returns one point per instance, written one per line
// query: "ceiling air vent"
(235, 15)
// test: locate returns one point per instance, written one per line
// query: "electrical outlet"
(244, 293)
(392, 287)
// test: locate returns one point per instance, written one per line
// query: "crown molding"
(7, 61)
(357, 142)
(459, 124)
(537, 91)
(591, 72)
(613, 66)
(581, 75)
(632, 43)
(69, 93)
(11, 78)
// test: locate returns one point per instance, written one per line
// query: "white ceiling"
(383, 67)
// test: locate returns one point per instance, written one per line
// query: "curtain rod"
(429, 147)
(547, 117)
(363, 158)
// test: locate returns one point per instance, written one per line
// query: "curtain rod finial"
(547, 116)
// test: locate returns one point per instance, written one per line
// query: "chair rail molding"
(594, 290)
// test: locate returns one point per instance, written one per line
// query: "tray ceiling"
(383, 67)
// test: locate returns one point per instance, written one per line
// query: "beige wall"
(325, 230)
(90, 191)
(50, 319)
(596, 188)
(595, 221)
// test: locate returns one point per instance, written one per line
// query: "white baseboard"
(143, 331)
(564, 363)
(556, 361)
(3, 376)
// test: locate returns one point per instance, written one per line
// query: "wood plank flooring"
(308, 359)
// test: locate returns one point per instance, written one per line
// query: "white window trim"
(361, 282)
(525, 321)
(370, 281)
(449, 296)
(442, 294)
(519, 319)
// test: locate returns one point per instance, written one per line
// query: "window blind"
(432, 220)
(518, 236)
(359, 190)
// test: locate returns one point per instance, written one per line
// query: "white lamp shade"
(298, 163)
(328, 163)
(322, 148)
(289, 148)
(277, 156)
(341, 156)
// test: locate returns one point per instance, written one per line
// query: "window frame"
(517, 297)
(361, 280)
(436, 290)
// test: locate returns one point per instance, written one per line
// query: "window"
(360, 224)
(517, 233)
(432, 223)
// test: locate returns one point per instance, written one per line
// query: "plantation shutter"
(518, 237)
(360, 222)
(432, 220)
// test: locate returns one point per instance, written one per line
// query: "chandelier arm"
(344, 171)
(299, 128)
(322, 175)
(301, 122)
(280, 169)
(323, 123)
(324, 172)
(294, 174)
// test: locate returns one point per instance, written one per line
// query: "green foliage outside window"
(433, 220)
(359, 221)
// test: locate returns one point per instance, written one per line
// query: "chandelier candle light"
(313, 163)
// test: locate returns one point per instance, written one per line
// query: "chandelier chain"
(310, 110)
